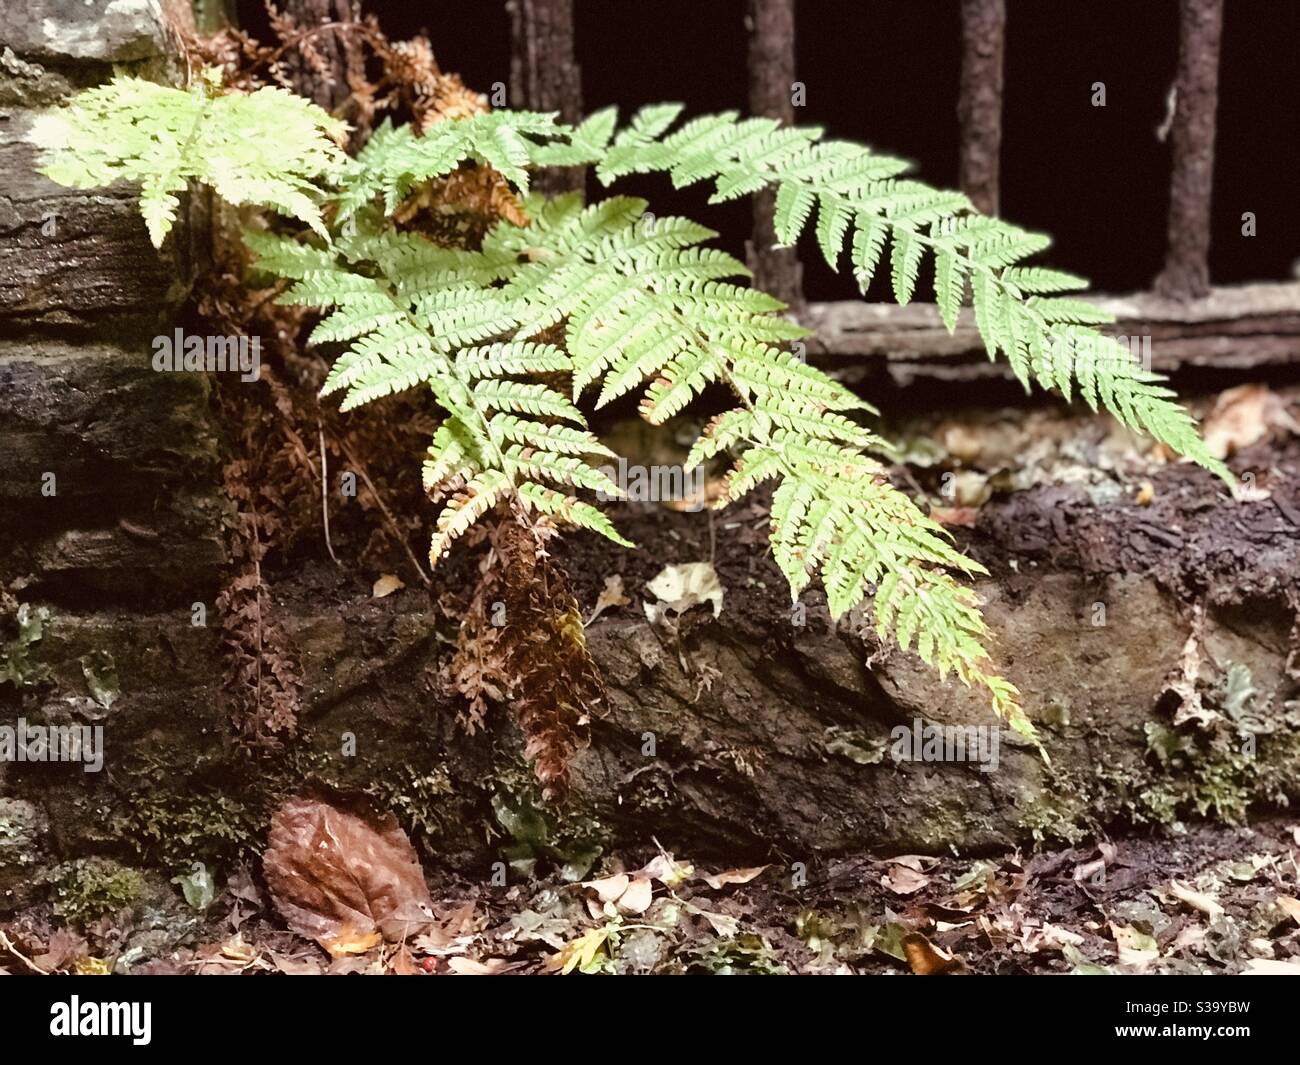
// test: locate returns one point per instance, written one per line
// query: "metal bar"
(544, 72)
(770, 25)
(979, 100)
(1186, 274)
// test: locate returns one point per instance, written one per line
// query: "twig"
(324, 496)
(388, 517)
(8, 945)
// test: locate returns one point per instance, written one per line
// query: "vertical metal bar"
(1186, 274)
(323, 81)
(770, 24)
(544, 73)
(979, 101)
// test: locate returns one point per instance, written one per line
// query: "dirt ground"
(1203, 900)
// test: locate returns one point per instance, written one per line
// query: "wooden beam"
(979, 101)
(1239, 327)
(770, 25)
(1186, 273)
(544, 73)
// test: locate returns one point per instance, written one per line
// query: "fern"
(642, 305)
(268, 147)
(396, 159)
(504, 439)
(860, 199)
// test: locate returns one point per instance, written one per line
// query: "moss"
(175, 820)
(91, 887)
(1060, 811)
(417, 799)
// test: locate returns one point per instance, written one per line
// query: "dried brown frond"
(522, 642)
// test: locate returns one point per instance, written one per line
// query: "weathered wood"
(1237, 327)
(1186, 273)
(544, 72)
(770, 24)
(979, 101)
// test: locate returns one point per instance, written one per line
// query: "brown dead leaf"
(668, 872)
(732, 876)
(637, 897)
(348, 940)
(339, 876)
(903, 880)
(609, 888)
(1242, 416)
(928, 960)
(402, 964)
(611, 597)
(619, 893)
(964, 516)
(64, 948)
(387, 585)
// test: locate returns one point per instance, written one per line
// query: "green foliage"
(267, 147)
(18, 662)
(396, 160)
(641, 305)
(87, 888)
(861, 200)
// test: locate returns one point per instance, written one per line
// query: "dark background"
(885, 72)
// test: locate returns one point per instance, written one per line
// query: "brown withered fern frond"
(261, 692)
(522, 643)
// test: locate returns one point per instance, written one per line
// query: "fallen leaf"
(1290, 907)
(637, 897)
(1265, 967)
(668, 872)
(1081, 964)
(723, 924)
(340, 876)
(402, 964)
(349, 940)
(1242, 416)
(577, 954)
(928, 960)
(678, 588)
(1136, 949)
(470, 967)
(732, 876)
(1197, 900)
(903, 880)
(609, 888)
(387, 585)
(611, 597)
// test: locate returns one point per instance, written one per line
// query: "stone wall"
(109, 518)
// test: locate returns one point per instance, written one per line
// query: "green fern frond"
(162, 138)
(397, 159)
(855, 191)
(502, 435)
